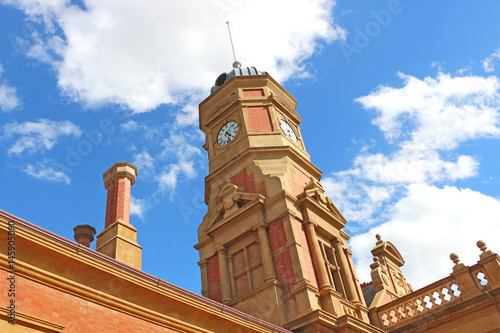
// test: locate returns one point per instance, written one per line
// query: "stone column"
(317, 256)
(265, 252)
(345, 272)
(225, 285)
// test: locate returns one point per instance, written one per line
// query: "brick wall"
(281, 254)
(75, 314)
(258, 117)
(253, 92)
(214, 278)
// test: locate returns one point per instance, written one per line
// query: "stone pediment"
(315, 192)
(233, 199)
(387, 250)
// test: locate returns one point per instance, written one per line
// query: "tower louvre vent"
(221, 79)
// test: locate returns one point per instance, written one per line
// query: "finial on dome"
(236, 64)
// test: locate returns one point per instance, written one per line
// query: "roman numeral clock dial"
(227, 133)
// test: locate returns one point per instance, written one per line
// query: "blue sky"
(399, 99)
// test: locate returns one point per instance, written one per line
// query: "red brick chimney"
(119, 238)
(84, 234)
(118, 180)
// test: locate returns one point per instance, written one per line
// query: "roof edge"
(102, 257)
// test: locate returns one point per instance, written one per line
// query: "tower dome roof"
(237, 70)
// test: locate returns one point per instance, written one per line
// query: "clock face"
(227, 133)
(288, 130)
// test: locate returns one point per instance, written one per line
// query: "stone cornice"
(30, 321)
(305, 163)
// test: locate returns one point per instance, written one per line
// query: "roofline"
(159, 282)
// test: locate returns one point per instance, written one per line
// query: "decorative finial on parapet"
(379, 238)
(456, 260)
(454, 257)
(481, 245)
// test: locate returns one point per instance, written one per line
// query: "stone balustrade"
(463, 284)
(426, 299)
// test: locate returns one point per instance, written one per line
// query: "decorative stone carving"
(386, 274)
(233, 198)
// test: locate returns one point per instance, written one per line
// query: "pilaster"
(224, 275)
(345, 271)
(266, 254)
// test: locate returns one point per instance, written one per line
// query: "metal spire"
(236, 63)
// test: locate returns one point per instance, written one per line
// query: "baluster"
(384, 318)
(445, 292)
(419, 304)
(392, 315)
(410, 309)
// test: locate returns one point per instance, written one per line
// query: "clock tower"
(271, 243)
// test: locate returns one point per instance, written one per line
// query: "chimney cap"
(84, 230)
(120, 170)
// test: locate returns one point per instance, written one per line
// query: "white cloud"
(410, 167)
(8, 96)
(488, 62)
(445, 110)
(189, 112)
(427, 225)
(138, 207)
(149, 133)
(184, 155)
(395, 193)
(130, 125)
(38, 136)
(122, 51)
(356, 200)
(424, 121)
(43, 170)
(144, 162)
